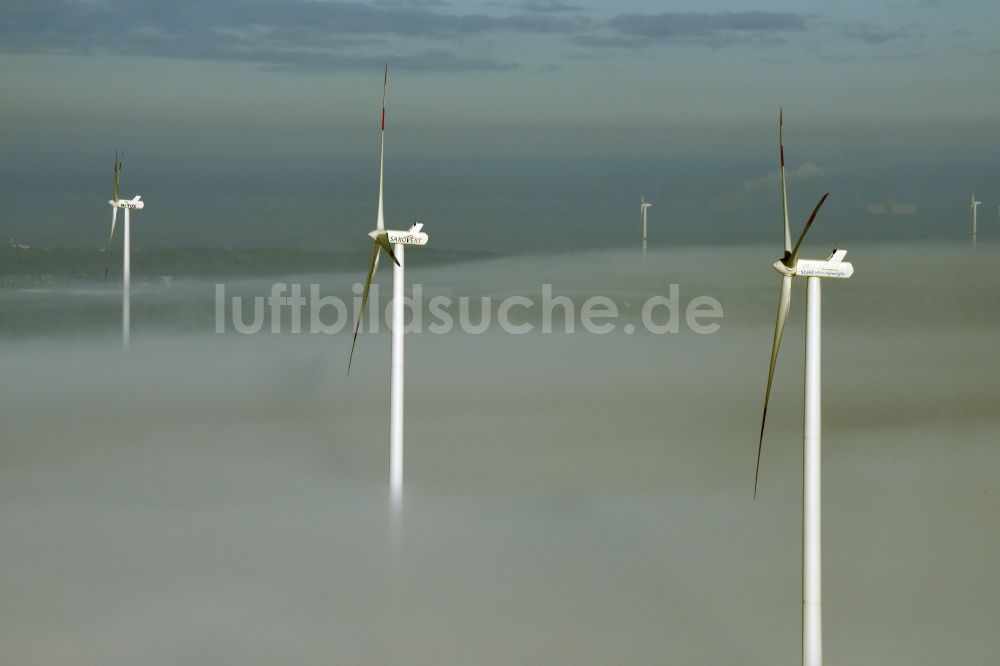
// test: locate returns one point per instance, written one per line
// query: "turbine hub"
(782, 268)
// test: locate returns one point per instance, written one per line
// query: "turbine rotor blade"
(383, 241)
(111, 236)
(380, 218)
(364, 301)
(784, 191)
(116, 190)
(784, 303)
(795, 252)
(385, 85)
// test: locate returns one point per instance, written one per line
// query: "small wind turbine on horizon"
(644, 207)
(790, 266)
(974, 205)
(117, 202)
(393, 242)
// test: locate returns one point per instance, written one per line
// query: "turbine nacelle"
(833, 266)
(136, 203)
(414, 236)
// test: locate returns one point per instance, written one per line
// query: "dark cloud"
(875, 36)
(610, 42)
(704, 26)
(289, 33)
(760, 28)
(632, 31)
(410, 3)
(427, 60)
(548, 6)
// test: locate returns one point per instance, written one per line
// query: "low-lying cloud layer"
(575, 498)
(893, 207)
(772, 182)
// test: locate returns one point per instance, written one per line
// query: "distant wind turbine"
(393, 243)
(813, 270)
(117, 202)
(974, 205)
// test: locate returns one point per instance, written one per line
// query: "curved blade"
(116, 189)
(380, 220)
(107, 251)
(784, 192)
(385, 85)
(795, 252)
(784, 301)
(364, 301)
(383, 241)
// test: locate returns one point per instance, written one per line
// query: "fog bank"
(570, 498)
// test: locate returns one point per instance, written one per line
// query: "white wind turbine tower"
(790, 266)
(117, 202)
(643, 212)
(974, 205)
(393, 243)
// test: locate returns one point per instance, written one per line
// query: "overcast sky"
(256, 106)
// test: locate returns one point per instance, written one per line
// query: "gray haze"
(222, 499)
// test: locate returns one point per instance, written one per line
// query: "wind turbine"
(790, 266)
(393, 243)
(643, 211)
(117, 202)
(975, 207)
